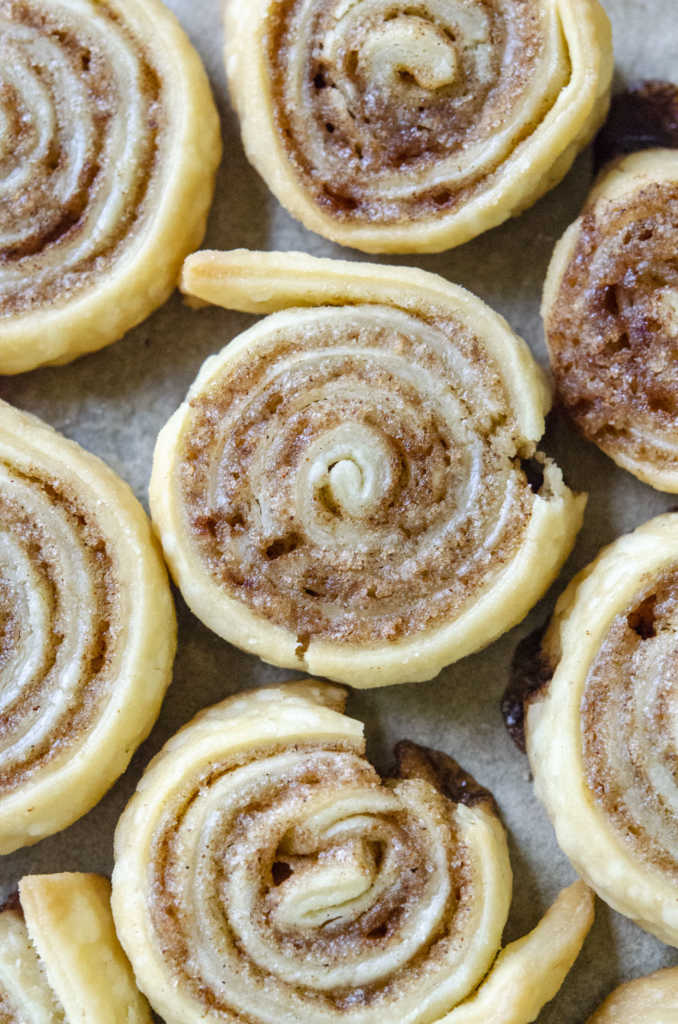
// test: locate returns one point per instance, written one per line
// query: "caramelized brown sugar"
(368, 93)
(628, 724)
(612, 329)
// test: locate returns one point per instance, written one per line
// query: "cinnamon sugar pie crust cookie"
(264, 873)
(87, 629)
(109, 142)
(396, 127)
(610, 311)
(650, 1000)
(601, 732)
(60, 959)
(353, 485)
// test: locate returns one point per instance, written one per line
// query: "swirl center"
(406, 50)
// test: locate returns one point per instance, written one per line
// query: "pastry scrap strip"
(60, 959)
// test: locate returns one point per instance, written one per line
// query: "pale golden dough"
(264, 873)
(650, 1000)
(393, 129)
(87, 629)
(610, 309)
(111, 141)
(601, 734)
(342, 490)
(60, 959)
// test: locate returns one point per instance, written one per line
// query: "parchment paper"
(114, 403)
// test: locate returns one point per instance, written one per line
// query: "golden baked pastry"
(610, 311)
(109, 142)
(87, 629)
(263, 872)
(651, 1000)
(601, 734)
(395, 128)
(354, 488)
(60, 959)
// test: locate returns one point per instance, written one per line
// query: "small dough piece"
(396, 128)
(610, 310)
(60, 959)
(87, 629)
(109, 143)
(601, 735)
(344, 489)
(265, 873)
(651, 1000)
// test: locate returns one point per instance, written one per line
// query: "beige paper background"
(115, 402)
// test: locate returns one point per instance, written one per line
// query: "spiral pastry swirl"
(263, 872)
(650, 1000)
(87, 629)
(344, 489)
(611, 316)
(397, 127)
(601, 736)
(60, 959)
(109, 141)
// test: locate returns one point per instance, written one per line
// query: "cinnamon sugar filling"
(60, 236)
(628, 724)
(98, 652)
(613, 331)
(348, 123)
(411, 555)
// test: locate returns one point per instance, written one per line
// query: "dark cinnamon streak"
(441, 771)
(644, 116)
(530, 672)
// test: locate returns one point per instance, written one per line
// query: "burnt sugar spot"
(644, 116)
(530, 671)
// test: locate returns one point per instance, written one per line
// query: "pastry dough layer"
(344, 489)
(60, 959)
(264, 873)
(601, 737)
(109, 141)
(650, 1000)
(87, 629)
(610, 311)
(412, 128)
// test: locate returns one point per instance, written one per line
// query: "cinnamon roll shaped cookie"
(109, 141)
(353, 488)
(265, 873)
(601, 734)
(60, 959)
(87, 629)
(610, 313)
(397, 127)
(650, 1000)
